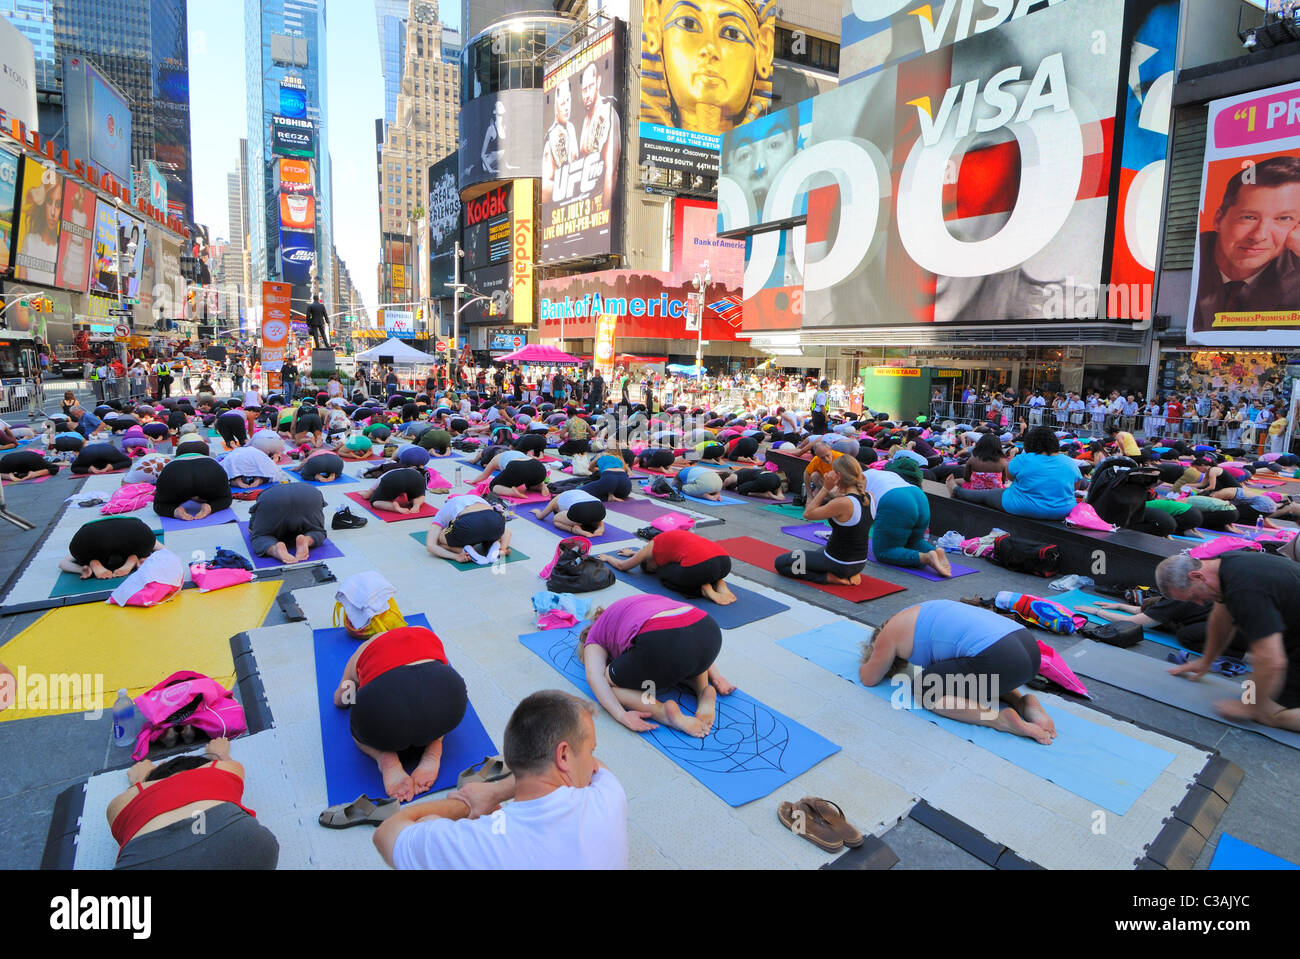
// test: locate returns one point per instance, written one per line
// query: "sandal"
(361, 811)
(834, 817)
(490, 770)
(803, 820)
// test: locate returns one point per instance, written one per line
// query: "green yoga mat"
(71, 584)
(785, 509)
(516, 555)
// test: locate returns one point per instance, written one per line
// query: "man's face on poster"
(1253, 231)
(710, 51)
(590, 88)
(563, 102)
(756, 161)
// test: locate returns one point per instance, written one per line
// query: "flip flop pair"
(821, 822)
(362, 811)
(490, 770)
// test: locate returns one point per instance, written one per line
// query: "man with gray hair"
(1259, 595)
(568, 810)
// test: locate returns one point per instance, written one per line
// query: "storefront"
(1253, 373)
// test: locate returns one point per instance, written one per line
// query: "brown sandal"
(833, 816)
(802, 820)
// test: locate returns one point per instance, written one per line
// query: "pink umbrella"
(537, 353)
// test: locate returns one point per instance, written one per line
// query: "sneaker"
(344, 518)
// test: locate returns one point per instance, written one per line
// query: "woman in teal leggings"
(901, 516)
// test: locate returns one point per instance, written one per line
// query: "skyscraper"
(142, 46)
(391, 20)
(424, 131)
(290, 229)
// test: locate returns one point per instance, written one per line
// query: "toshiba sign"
(488, 205)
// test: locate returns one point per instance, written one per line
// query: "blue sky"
(356, 98)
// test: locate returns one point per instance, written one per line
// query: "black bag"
(576, 572)
(1119, 490)
(1113, 634)
(1025, 556)
(661, 487)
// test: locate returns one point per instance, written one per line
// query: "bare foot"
(397, 783)
(707, 710)
(537, 513)
(951, 483)
(720, 594)
(1009, 721)
(853, 580)
(303, 544)
(678, 720)
(1032, 711)
(424, 775)
(281, 552)
(938, 561)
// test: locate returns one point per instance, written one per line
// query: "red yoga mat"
(763, 555)
(426, 511)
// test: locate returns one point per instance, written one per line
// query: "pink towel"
(556, 619)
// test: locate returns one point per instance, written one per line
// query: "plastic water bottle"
(1259, 527)
(458, 477)
(126, 720)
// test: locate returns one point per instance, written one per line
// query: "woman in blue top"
(612, 481)
(970, 660)
(1043, 480)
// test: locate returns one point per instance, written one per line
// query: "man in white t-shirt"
(568, 810)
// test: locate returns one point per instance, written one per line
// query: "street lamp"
(701, 285)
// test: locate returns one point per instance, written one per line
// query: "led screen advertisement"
(1246, 269)
(293, 101)
(970, 184)
(582, 151)
(8, 193)
(297, 257)
(487, 229)
(98, 119)
(77, 237)
(297, 211)
(292, 138)
(130, 245)
(444, 225)
(36, 249)
(499, 134)
(705, 69)
(103, 270)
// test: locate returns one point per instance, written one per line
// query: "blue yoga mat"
(749, 606)
(1232, 853)
(751, 751)
(612, 533)
(1093, 761)
(726, 500)
(341, 481)
(1078, 597)
(348, 771)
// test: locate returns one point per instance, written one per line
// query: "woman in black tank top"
(841, 501)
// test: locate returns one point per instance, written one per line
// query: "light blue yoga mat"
(1232, 853)
(343, 480)
(348, 771)
(1090, 760)
(749, 606)
(751, 751)
(1078, 597)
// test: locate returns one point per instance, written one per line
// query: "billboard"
(705, 72)
(157, 185)
(1246, 269)
(522, 233)
(487, 229)
(645, 304)
(696, 240)
(499, 134)
(171, 104)
(17, 75)
(293, 101)
(98, 118)
(295, 176)
(582, 160)
(130, 245)
(103, 271)
(297, 211)
(275, 324)
(76, 237)
(400, 323)
(971, 184)
(488, 281)
(8, 193)
(168, 251)
(297, 257)
(292, 138)
(36, 250)
(444, 225)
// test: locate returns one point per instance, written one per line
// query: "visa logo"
(963, 24)
(1047, 89)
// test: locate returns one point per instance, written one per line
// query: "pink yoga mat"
(426, 511)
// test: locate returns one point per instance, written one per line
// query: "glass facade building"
(391, 17)
(284, 47)
(142, 46)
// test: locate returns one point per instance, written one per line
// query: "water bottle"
(1259, 527)
(126, 720)
(458, 477)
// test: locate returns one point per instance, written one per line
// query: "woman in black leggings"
(192, 478)
(754, 481)
(109, 548)
(99, 458)
(321, 468)
(410, 484)
(656, 459)
(25, 464)
(534, 444)
(232, 427)
(404, 695)
(743, 448)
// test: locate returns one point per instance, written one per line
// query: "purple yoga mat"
(170, 524)
(326, 550)
(640, 509)
(807, 531)
(612, 533)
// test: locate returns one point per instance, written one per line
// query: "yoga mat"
(134, 648)
(1078, 597)
(39, 479)
(516, 555)
(1090, 760)
(751, 751)
(612, 533)
(220, 517)
(71, 584)
(749, 606)
(808, 531)
(785, 500)
(1264, 481)
(653, 472)
(426, 512)
(727, 500)
(326, 550)
(641, 509)
(341, 481)
(785, 509)
(1232, 853)
(1150, 677)
(236, 490)
(348, 771)
(763, 555)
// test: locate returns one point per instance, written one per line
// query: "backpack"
(1113, 634)
(574, 570)
(1043, 613)
(187, 698)
(1025, 556)
(1119, 490)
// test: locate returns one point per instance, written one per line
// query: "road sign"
(442, 346)
(121, 330)
(121, 312)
